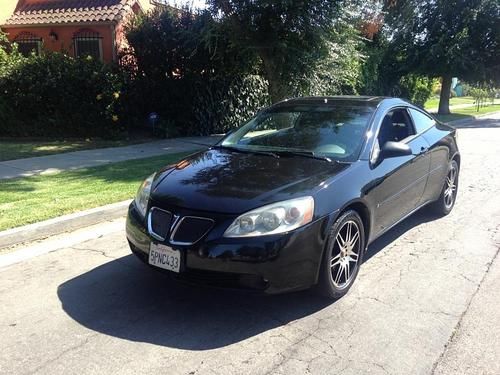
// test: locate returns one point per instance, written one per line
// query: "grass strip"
(468, 113)
(433, 102)
(28, 200)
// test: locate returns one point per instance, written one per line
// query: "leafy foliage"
(295, 40)
(416, 89)
(209, 71)
(54, 95)
(339, 71)
(384, 73)
(187, 71)
(480, 96)
(443, 38)
(382, 67)
(9, 56)
(219, 108)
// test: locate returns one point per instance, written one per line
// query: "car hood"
(232, 182)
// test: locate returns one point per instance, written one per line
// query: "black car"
(293, 198)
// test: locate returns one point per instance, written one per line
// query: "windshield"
(330, 131)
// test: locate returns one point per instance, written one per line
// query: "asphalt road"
(426, 301)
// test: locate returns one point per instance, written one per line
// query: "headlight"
(275, 218)
(142, 197)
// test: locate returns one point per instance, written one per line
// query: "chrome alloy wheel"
(450, 189)
(345, 255)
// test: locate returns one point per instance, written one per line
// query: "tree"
(443, 38)
(291, 37)
(185, 70)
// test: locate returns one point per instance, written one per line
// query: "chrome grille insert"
(190, 229)
(159, 222)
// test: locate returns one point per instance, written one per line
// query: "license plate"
(164, 257)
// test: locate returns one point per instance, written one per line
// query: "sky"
(200, 4)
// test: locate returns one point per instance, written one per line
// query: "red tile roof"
(69, 11)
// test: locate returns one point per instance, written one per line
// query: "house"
(76, 27)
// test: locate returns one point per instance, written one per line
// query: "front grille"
(191, 229)
(159, 223)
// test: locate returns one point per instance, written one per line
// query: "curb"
(61, 224)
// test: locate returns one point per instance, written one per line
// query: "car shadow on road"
(124, 298)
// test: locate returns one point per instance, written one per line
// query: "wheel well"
(457, 159)
(364, 213)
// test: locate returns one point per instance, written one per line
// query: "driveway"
(426, 301)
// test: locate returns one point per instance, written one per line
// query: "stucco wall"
(65, 34)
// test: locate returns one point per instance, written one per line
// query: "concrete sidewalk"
(90, 158)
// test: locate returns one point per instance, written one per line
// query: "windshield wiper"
(246, 150)
(305, 154)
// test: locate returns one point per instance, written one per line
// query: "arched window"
(87, 43)
(28, 43)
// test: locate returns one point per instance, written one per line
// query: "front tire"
(448, 196)
(343, 255)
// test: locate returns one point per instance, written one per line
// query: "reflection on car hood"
(232, 182)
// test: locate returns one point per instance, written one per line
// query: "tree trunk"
(278, 90)
(275, 89)
(444, 98)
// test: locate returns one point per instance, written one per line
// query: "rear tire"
(343, 256)
(446, 201)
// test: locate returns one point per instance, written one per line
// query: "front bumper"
(273, 264)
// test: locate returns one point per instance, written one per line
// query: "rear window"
(421, 121)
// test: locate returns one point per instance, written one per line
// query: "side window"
(28, 43)
(396, 126)
(88, 43)
(422, 121)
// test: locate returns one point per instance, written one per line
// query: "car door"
(400, 181)
(438, 152)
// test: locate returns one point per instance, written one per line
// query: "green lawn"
(30, 199)
(469, 112)
(434, 101)
(20, 149)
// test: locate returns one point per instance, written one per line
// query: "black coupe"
(293, 198)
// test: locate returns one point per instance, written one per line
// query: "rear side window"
(422, 121)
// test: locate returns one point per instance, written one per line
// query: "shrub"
(479, 94)
(416, 89)
(436, 88)
(492, 94)
(222, 104)
(9, 56)
(54, 95)
(186, 70)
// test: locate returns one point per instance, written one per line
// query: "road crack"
(100, 252)
(457, 327)
(64, 352)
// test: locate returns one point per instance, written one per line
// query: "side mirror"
(394, 149)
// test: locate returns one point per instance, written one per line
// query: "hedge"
(57, 96)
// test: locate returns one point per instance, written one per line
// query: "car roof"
(347, 100)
